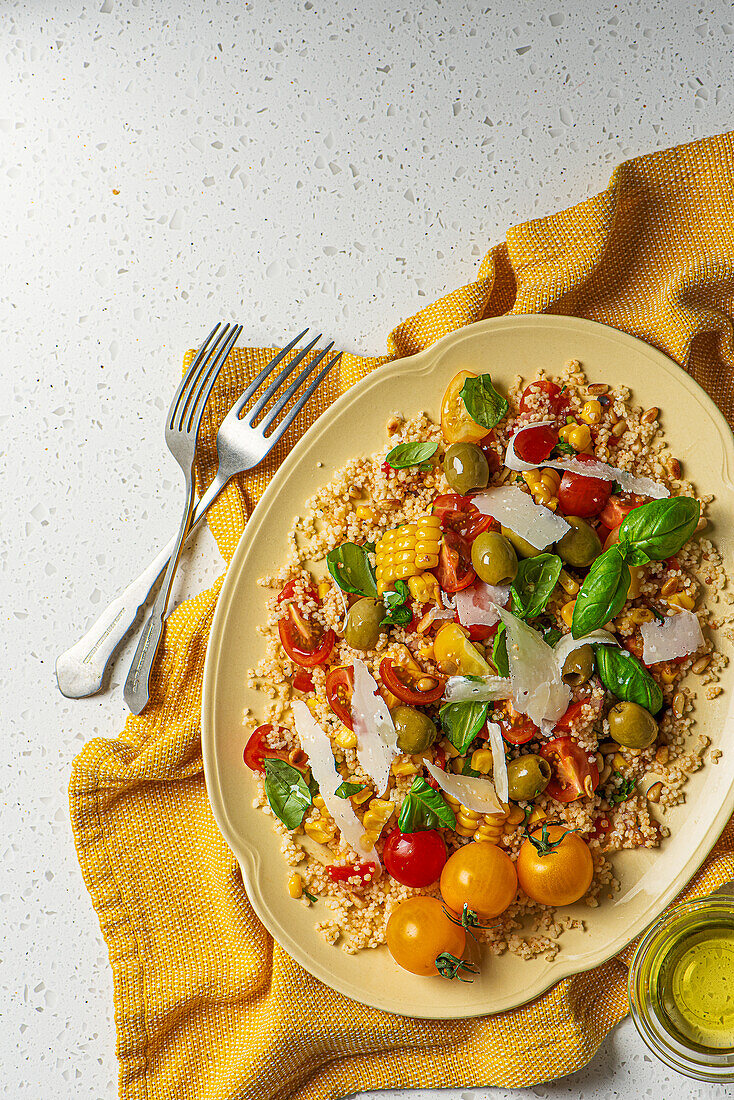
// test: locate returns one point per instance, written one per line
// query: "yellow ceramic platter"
(355, 424)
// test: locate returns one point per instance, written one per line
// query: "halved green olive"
(581, 545)
(415, 729)
(494, 558)
(579, 666)
(362, 629)
(524, 548)
(632, 726)
(527, 776)
(466, 468)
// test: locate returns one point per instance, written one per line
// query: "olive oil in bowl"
(681, 987)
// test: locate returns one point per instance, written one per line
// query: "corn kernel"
(591, 412)
(531, 478)
(361, 796)
(565, 432)
(423, 588)
(551, 478)
(404, 767)
(481, 761)
(324, 589)
(618, 760)
(542, 494)
(368, 840)
(580, 437)
(346, 739)
(321, 830)
(363, 511)
(319, 802)
(682, 599)
(536, 816)
(567, 612)
(295, 886)
(567, 583)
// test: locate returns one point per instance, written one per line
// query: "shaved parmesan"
(677, 636)
(512, 461)
(499, 762)
(513, 508)
(477, 605)
(568, 644)
(537, 687)
(316, 744)
(476, 794)
(460, 689)
(375, 729)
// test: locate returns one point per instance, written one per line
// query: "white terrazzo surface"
(281, 163)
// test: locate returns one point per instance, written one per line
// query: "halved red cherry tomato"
(535, 444)
(288, 592)
(342, 872)
(618, 508)
(339, 688)
(457, 513)
(257, 748)
(478, 632)
(414, 859)
(393, 680)
(518, 730)
(583, 496)
(304, 644)
(439, 759)
(454, 570)
(574, 775)
(567, 721)
(602, 825)
(556, 398)
(302, 681)
(489, 446)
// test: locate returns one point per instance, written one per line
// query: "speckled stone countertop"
(283, 164)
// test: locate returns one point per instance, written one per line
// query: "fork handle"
(80, 671)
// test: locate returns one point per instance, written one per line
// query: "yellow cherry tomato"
(480, 875)
(560, 876)
(455, 655)
(419, 932)
(456, 424)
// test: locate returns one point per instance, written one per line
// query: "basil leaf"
(462, 722)
(662, 527)
(410, 454)
(344, 790)
(622, 790)
(602, 594)
(397, 607)
(424, 808)
(551, 635)
(499, 652)
(482, 401)
(533, 584)
(627, 678)
(633, 555)
(287, 792)
(350, 567)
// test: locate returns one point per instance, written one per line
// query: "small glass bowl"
(657, 1030)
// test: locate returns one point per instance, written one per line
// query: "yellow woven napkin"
(206, 1005)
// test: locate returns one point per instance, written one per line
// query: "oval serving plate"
(355, 424)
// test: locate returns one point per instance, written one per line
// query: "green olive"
(415, 729)
(632, 726)
(494, 558)
(363, 629)
(527, 776)
(466, 467)
(524, 548)
(581, 545)
(579, 666)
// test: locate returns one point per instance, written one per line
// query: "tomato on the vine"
(398, 681)
(339, 688)
(583, 496)
(560, 872)
(535, 444)
(414, 859)
(454, 570)
(457, 513)
(574, 774)
(257, 749)
(420, 935)
(480, 875)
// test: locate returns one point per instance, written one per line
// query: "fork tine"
(288, 420)
(193, 369)
(187, 402)
(287, 369)
(284, 398)
(205, 387)
(255, 384)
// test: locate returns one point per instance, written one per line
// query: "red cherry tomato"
(304, 644)
(488, 446)
(342, 872)
(302, 681)
(288, 592)
(583, 496)
(257, 748)
(395, 681)
(518, 730)
(339, 688)
(574, 775)
(414, 859)
(454, 570)
(556, 398)
(439, 759)
(616, 509)
(602, 825)
(478, 632)
(568, 720)
(458, 514)
(535, 444)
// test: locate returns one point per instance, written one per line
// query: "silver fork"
(182, 431)
(81, 670)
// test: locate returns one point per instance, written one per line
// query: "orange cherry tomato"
(419, 932)
(480, 875)
(562, 875)
(456, 424)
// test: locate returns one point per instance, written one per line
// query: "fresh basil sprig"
(627, 678)
(346, 790)
(483, 403)
(397, 606)
(500, 659)
(462, 722)
(533, 584)
(287, 791)
(424, 808)
(410, 454)
(350, 567)
(603, 593)
(659, 529)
